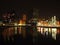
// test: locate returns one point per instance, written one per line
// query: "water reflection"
(11, 31)
(47, 31)
(23, 34)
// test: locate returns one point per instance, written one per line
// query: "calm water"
(28, 35)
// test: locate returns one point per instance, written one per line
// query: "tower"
(54, 20)
(35, 15)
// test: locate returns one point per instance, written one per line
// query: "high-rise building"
(35, 13)
(54, 20)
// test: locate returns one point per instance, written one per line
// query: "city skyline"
(29, 22)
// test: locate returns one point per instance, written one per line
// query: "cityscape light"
(54, 31)
(23, 26)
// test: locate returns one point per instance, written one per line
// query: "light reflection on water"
(44, 31)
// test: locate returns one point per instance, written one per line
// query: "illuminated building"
(54, 20)
(22, 30)
(46, 26)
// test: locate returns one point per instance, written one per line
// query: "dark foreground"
(28, 40)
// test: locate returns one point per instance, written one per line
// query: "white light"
(3, 24)
(54, 31)
(46, 31)
(41, 30)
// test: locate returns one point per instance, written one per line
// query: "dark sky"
(47, 8)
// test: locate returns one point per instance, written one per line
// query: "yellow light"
(19, 24)
(49, 30)
(38, 24)
(22, 24)
(38, 29)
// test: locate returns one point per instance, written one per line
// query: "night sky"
(47, 8)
